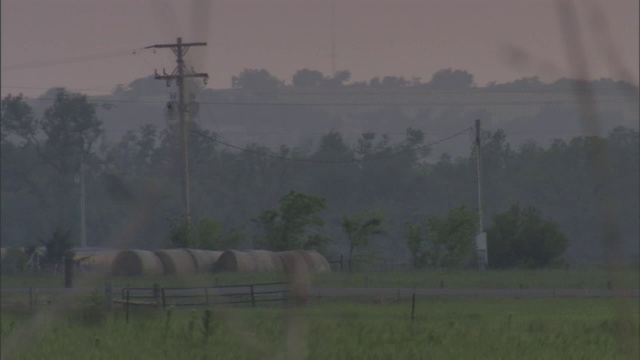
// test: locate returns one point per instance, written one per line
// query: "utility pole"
(179, 74)
(481, 237)
(83, 218)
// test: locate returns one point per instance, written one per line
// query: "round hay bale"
(205, 260)
(266, 260)
(136, 263)
(98, 260)
(233, 260)
(297, 270)
(277, 262)
(293, 262)
(320, 263)
(176, 261)
(311, 263)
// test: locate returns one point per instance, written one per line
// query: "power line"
(71, 60)
(320, 161)
(620, 100)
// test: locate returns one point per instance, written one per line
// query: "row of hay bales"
(163, 262)
(190, 261)
(263, 260)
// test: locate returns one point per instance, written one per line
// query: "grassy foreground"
(442, 329)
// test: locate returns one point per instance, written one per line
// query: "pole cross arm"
(158, 46)
(204, 75)
(166, 77)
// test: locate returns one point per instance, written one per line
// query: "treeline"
(133, 184)
(444, 79)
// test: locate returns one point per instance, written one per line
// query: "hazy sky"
(88, 45)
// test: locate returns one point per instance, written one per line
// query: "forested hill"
(262, 109)
(252, 145)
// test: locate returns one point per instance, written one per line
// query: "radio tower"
(179, 74)
(333, 38)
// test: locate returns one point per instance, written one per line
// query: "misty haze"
(319, 180)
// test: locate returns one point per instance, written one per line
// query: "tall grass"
(442, 329)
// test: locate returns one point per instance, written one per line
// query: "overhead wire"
(73, 59)
(619, 100)
(321, 161)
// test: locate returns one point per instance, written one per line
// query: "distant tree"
(287, 227)
(306, 78)
(522, 238)
(256, 80)
(72, 129)
(394, 82)
(142, 86)
(57, 248)
(15, 260)
(449, 79)
(333, 147)
(338, 79)
(443, 243)
(205, 234)
(523, 84)
(418, 244)
(359, 229)
(17, 119)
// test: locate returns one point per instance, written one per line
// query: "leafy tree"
(15, 260)
(447, 242)
(286, 228)
(338, 79)
(394, 82)
(449, 79)
(359, 229)
(72, 128)
(205, 234)
(257, 80)
(522, 238)
(17, 119)
(57, 248)
(332, 147)
(417, 243)
(306, 78)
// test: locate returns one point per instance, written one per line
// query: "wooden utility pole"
(179, 74)
(83, 209)
(479, 167)
(481, 237)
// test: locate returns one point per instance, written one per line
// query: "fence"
(339, 263)
(204, 296)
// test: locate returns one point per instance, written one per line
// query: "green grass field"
(477, 328)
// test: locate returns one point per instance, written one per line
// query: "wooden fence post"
(156, 295)
(253, 297)
(68, 272)
(31, 303)
(126, 305)
(206, 296)
(413, 306)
